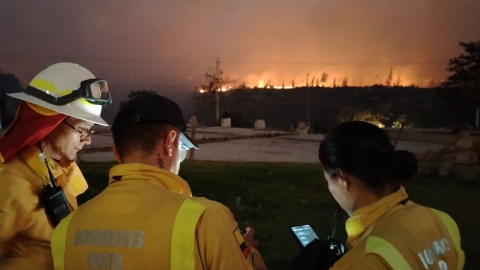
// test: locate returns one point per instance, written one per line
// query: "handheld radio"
(53, 198)
(336, 246)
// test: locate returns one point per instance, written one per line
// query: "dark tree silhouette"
(324, 78)
(137, 93)
(466, 67)
(458, 99)
(214, 81)
(8, 84)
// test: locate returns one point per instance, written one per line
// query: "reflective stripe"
(454, 235)
(239, 236)
(183, 236)
(50, 87)
(388, 252)
(85, 102)
(58, 242)
(44, 85)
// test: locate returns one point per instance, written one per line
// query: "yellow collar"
(33, 157)
(365, 217)
(67, 173)
(154, 175)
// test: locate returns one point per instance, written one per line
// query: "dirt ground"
(224, 145)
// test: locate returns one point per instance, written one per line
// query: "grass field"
(275, 196)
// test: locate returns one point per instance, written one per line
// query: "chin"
(70, 156)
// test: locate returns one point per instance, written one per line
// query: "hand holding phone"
(304, 234)
(315, 253)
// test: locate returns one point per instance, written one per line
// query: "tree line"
(455, 103)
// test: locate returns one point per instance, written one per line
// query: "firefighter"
(147, 218)
(385, 229)
(53, 122)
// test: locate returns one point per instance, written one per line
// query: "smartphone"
(304, 234)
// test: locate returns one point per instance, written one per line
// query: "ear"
(170, 142)
(344, 180)
(117, 155)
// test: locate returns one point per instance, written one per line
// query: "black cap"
(152, 108)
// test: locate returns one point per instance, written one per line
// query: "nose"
(87, 141)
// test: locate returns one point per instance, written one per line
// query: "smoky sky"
(137, 44)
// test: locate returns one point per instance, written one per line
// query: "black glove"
(315, 256)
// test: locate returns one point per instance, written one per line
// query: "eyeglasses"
(83, 134)
(182, 151)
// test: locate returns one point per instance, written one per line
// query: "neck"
(48, 151)
(155, 159)
(366, 196)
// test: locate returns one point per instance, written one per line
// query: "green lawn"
(275, 196)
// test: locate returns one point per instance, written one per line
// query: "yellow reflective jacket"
(147, 219)
(25, 230)
(395, 233)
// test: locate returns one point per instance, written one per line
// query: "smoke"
(139, 44)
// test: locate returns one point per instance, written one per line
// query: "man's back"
(137, 220)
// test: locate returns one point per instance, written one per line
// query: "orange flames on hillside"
(220, 89)
(254, 81)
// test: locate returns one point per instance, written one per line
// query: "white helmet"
(69, 89)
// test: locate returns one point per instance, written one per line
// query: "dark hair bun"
(403, 165)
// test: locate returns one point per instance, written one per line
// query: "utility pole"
(308, 103)
(216, 88)
(477, 113)
(390, 78)
(308, 108)
(193, 123)
(477, 117)
(2, 102)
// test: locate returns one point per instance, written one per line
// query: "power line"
(191, 61)
(104, 59)
(344, 63)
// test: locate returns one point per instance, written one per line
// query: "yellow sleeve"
(256, 259)
(361, 262)
(217, 244)
(10, 210)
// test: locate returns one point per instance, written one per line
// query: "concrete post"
(193, 123)
(477, 118)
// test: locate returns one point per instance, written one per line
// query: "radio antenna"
(50, 174)
(334, 225)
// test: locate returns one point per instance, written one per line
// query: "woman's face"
(339, 190)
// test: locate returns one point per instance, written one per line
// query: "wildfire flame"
(333, 78)
(222, 89)
(257, 81)
(404, 83)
